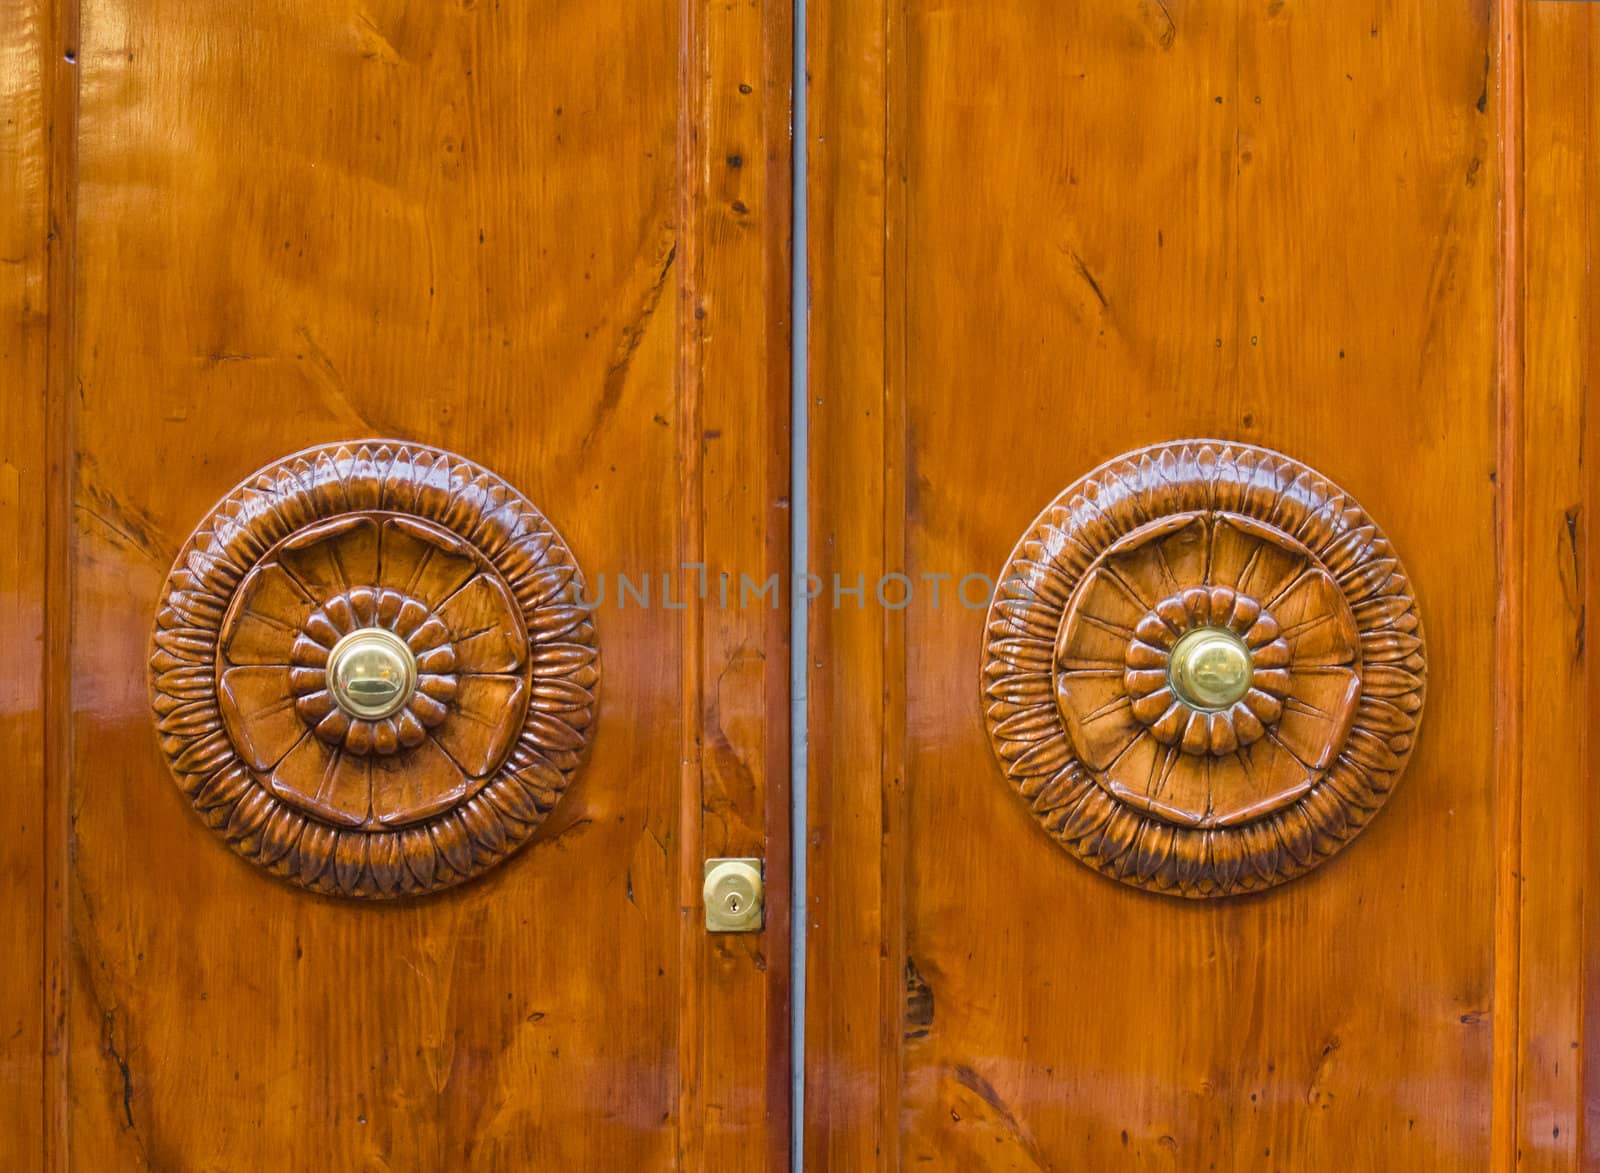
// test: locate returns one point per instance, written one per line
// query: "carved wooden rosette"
(454, 569)
(1133, 778)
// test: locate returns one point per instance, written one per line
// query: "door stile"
(733, 432)
(35, 95)
(1546, 1056)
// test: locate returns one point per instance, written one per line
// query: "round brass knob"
(371, 673)
(1210, 668)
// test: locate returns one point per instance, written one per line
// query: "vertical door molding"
(35, 93)
(855, 991)
(1547, 1021)
(733, 434)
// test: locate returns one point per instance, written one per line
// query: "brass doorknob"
(1210, 668)
(371, 673)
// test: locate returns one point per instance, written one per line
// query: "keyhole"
(732, 895)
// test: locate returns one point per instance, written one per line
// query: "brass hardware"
(1210, 668)
(371, 673)
(734, 895)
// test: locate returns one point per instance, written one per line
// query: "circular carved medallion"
(1204, 668)
(373, 673)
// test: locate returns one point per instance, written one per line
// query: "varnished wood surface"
(1056, 232)
(1328, 275)
(24, 453)
(552, 239)
(1552, 1122)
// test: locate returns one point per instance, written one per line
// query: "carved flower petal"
(1252, 558)
(358, 738)
(412, 616)
(341, 614)
(442, 659)
(1271, 680)
(1100, 622)
(424, 562)
(385, 736)
(1220, 605)
(334, 555)
(1162, 780)
(1263, 705)
(1272, 655)
(429, 711)
(1245, 612)
(389, 604)
(315, 776)
(440, 688)
(485, 629)
(1246, 724)
(1169, 727)
(258, 709)
(484, 720)
(1174, 614)
(1276, 775)
(1247, 785)
(409, 729)
(364, 605)
(1220, 734)
(430, 634)
(1196, 603)
(1099, 719)
(308, 653)
(1317, 621)
(1141, 682)
(314, 706)
(1143, 655)
(320, 631)
(417, 847)
(415, 786)
(1156, 632)
(1196, 739)
(306, 680)
(334, 726)
(1317, 718)
(1152, 706)
(271, 610)
(450, 837)
(1173, 558)
(1263, 631)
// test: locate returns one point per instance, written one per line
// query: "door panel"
(1107, 226)
(551, 239)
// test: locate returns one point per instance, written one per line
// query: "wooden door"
(1051, 233)
(529, 260)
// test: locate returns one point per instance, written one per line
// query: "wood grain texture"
(1103, 226)
(855, 696)
(25, 172)
(1551, 1125)
(467, 226)
(734, 433)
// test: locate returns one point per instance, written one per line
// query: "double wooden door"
(1192, 474)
